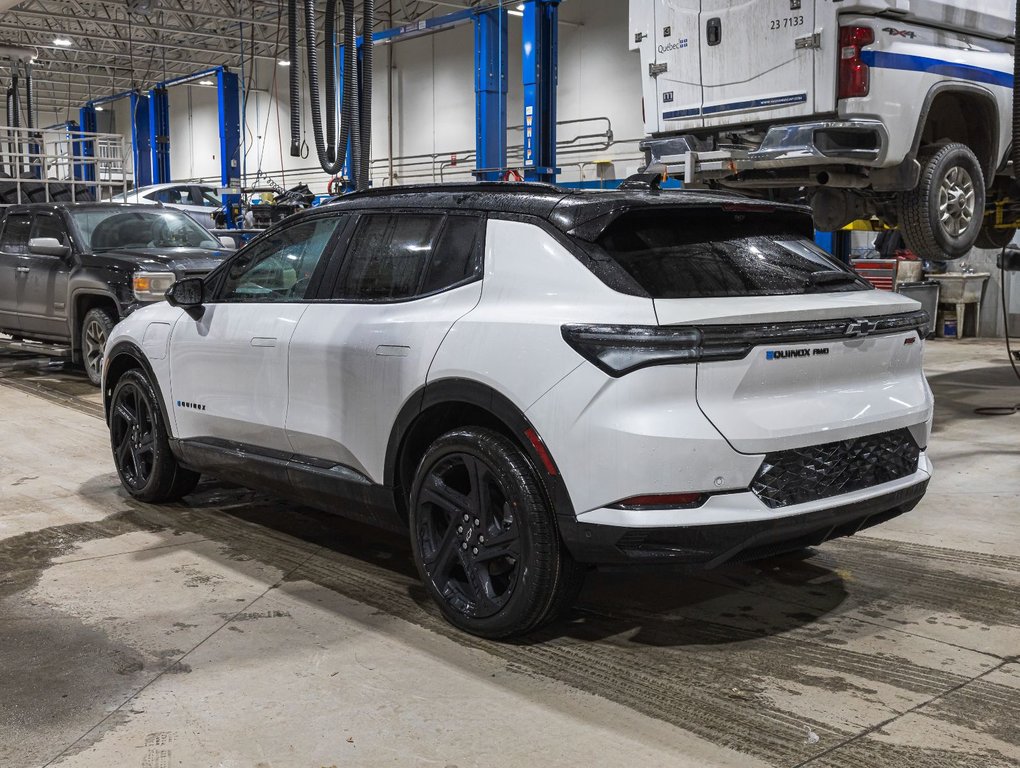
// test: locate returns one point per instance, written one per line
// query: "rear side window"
(16, 231)
(692, 253)
(457, 256)
(395, 256)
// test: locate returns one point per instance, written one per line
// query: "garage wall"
(433, 107)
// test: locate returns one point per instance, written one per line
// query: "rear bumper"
(833, 142)
(708, 545)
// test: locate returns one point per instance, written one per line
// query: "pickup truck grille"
(820, 471)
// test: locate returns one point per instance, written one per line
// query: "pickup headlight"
(152, 286)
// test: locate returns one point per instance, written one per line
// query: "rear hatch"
(796, 349)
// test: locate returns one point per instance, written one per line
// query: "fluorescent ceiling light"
(515, 13)
(284, 63)
(520, 7)
(98, 109)
(63, 42)
(206, 82)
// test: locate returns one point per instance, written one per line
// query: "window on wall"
(395, 256)
(280, 268)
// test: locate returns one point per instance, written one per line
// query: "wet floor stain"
(797, 661)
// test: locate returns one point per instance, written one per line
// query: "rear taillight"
(620, 349)
(854, 75)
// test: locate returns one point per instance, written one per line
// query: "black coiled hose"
(31, 99)
(328, 156)
(295, 80)
(365, 108)
(1016, 101)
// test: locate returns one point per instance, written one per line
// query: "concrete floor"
(234, 630)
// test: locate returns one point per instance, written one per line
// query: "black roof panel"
(567, 209)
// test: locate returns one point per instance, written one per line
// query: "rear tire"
(942, 217)
(147, 468)
(95, 330)
(992, 238)
(484, 537)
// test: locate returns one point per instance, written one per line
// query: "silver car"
(200, 201)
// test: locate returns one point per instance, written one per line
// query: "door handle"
(392, 350)
(263, 341)
(713, 31)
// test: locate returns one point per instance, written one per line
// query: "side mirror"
(1009, 259)
(228, 242)
(189, 295)
(47, 246)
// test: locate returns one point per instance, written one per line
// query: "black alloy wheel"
(485, 539)
(147, 468)
(470, 541)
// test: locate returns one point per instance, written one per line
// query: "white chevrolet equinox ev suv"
(534, 380)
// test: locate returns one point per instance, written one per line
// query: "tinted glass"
(113, 228)
(49, 226)
(387, 256)
(456, 257)
(173, 196)
(679, 254)
(280, 267)
(208, 198)
(15, 236)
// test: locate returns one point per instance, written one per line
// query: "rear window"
(693, 253)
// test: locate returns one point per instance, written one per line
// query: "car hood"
(179, 260)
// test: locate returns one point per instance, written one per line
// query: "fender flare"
(127, 348)
(995, 161)
(456, 391)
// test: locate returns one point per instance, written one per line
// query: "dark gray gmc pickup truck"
(69, 273)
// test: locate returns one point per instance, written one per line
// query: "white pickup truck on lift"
(900, 109)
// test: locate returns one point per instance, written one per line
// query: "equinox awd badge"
(785, 354)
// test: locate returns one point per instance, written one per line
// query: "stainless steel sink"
(960, 287)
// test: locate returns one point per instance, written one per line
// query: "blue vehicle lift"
(139, 135)
(540, 43)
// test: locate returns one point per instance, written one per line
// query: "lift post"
(491, 64)
(540, 74)
(86, 170)
(159, 133)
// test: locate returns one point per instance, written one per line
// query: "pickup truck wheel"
(942, 217)
(95, 330)
(994, 238)
(484, 537)
(147, 468)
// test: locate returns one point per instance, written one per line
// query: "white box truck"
(901, 109)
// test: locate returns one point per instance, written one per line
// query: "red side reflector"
(540, 449)
(662, 501)
(910, 340)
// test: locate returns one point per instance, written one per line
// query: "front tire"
(147, 468)
(95, 330)
(485, 539)
(942, 217)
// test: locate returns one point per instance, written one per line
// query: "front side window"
(279, 268)
(700, 253)
(49, 226)
(207, 198)
(16, 232)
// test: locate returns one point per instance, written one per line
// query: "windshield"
(117, 228)
(679, 254)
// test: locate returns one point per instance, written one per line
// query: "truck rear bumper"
(836, 142)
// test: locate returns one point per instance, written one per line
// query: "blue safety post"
(540, 41)
(491, 64)
(141, 147)
(228, 94)
(85, 168)
(159, 133)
